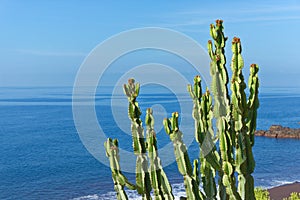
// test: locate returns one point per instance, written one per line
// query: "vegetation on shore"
(263, 194)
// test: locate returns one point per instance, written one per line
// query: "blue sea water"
(42, 156)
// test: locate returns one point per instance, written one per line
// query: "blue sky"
(43, 43)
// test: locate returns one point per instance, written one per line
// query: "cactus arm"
(182, 158)
(139, 146)
(202, 114)
(203, 126)
(228, 178)
(211, 161)
(208, 179)
(112, 152)
(196, 171)
(143, 178)
(244, 157)
(161, 187)
(208, 146)
(253, 102)
(222, 111)
(218, 70)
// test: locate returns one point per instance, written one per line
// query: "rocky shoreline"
(278, 131)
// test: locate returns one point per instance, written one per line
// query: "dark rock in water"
(278, 131)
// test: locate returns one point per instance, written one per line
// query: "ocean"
(43, 157)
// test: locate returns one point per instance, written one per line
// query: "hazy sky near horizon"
(43, 43)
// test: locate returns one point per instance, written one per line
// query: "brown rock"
(278, 131)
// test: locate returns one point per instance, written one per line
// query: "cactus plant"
(235, 118)
(235, 126)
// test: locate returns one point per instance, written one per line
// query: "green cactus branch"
(218, 70)
(253, 102)
(244, 157)
(112, 152)
(202, 114)
(183, 161)
(139, 146)
(222, 110)
(162, 189)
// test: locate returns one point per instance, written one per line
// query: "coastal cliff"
(278, 131)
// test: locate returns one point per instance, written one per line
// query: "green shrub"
(261, 194)
(293, 196)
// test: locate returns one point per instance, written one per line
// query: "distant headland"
(278, 131)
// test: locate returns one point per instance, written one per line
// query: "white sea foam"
(88, 197)
(281, 182)
(178, 191)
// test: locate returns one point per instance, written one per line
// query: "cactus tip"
(236, 40)
(149, 111)
(116, 142)
(197, 79)
(131, 81)
(219, 22)
(175, 114)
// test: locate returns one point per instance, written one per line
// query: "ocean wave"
(276, 183)
(178, 191)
